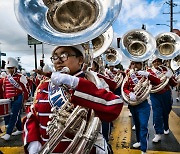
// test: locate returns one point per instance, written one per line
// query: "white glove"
(143, 73)
(23, 79)
(169, 73)
(132, 96)
(58, 78)
(34, 147)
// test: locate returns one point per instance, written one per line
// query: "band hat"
(23, 72)
(32, 72)
(47, 69)
(39, 68)
(79, 47)
(11, 62)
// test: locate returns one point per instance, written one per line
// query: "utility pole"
(171, 15)
(171, 4)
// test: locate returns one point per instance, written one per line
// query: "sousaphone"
(138, 45)
(168, 45)
(66, 22)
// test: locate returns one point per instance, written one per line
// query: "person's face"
(156, 63)
(93, 67)
(111, 68)
(137, 66)
(11, 70)
(66, 57)
(132, 65)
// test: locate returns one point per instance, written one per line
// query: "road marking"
(133, 151)
(174, 124)
(176, 107)
(12, 150)
(121, 132)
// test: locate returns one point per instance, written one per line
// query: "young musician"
(106, 105)
(14, 86)
(140, 112)
(161, 101)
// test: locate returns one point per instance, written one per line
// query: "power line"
(171, 6)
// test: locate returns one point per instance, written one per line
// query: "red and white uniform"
(106, 105)
(172, 80)
(1, 88)
(129, 85)
(111, 74)
(11, 91)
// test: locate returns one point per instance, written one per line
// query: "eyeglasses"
(63, 57)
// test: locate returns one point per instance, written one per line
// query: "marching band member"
(32, 82)
(14, 86)
(38, 77)
(29, 82)
(161, 101)
(45, 72)
(140, 112)
(177, 76)
(111, 71)
(3, 75)
(85, 93)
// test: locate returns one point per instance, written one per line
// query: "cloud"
(138, 9)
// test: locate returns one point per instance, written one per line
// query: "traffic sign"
(33, 41)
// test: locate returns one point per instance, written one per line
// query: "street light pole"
(35, 56)
(171, 15)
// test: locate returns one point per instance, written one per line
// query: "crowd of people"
(90, 89)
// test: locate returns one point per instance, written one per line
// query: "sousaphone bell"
(66, 22)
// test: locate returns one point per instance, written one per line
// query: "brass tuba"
(66, 22)
(141, 90)
(163, 78)
(73, 120)
(168, 45)
(175, 63)
(138, 45)
(112, 56)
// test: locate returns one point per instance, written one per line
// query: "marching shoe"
(6, 137)
(177, 99)
(142, 152)
(133, 128)
(136, 145)
(17, 132)
(166, 132)
(157, 138)
(130, 115)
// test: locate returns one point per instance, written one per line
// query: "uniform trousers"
(140, 114)
(161, 105)
(14, 119)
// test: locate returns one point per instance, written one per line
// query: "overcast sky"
(133, 14)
